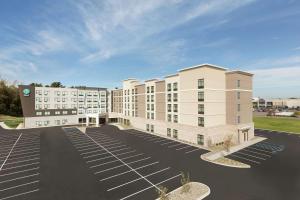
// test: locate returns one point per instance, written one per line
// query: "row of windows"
(133, 91)
(175, 133)
(64, 112)
(150, 107)
(175, 86)
(150, 128)
(150, 98)
(150, 89)
(175, 107)
(175, 118)
(150, 115)
(175, 97)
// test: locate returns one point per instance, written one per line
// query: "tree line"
(10, 103)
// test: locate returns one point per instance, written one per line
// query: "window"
(38, 106)
(47, 113)
(46, 106)
(200, 83)
(152, 115)
(64, 121)
(169, 97)
(175, 134)
(64, 93)
(148, 89)
(57, 93)
(57, 122)
(148, 115)
(238, 95)
(148, 106)
(63, 99)
(152, 89)
(152, 128)
(57, 106)
(148, 98)
(169, 117)
(200, 108)
(175, 108)
(38, 123)
(239, 107)
(175, 118)
(238, 119)
(152, 107)
(65, 112)
(168, 132)
(169, 86)
(200, 96)
(201, 121)
(57, 112)
(175, 97)
(238, 83)
(39, 113)
(152, 98)
(46, 92)
(46, 123)
(39, 92)
(169, 107)
(175, 86)
(46, 99)
(200, 139)
(147, 127)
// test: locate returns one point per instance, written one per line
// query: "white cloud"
(297, 48)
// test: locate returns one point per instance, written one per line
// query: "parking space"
(258, 153)
(20, 165)
(170, 143)
(124, 172)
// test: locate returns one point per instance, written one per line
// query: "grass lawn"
(277, 123)
(11, 121)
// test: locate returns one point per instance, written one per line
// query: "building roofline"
(203, 65)
(150, 80)
(171, 75)
(240, 72)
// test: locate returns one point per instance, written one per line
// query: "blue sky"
(100, 43)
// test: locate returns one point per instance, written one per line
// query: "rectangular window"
(239, 107)
(152, 98)
(148, 115)
(152, 115)
(168, 132)
(152, 107)
(169, 107)
(201, 121)
(200, 83)
(200, 139)
(175, 86)
(169, 97)
(200, 108)
(152, 128)
(47, 113)
(147, 127)
(148, 89)
(148, 98)
(238, 119)
(169, 117)
(148, 106)
(152, 89)
(175, 97)
(175, 134)
(200, 96)
(175, 118)
(175, 108)
(238, 83)
(169, 86)
(238, 95)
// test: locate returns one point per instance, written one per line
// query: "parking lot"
(124, 171)
(108, 163)
(20, 165)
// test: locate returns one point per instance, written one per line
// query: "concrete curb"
(277, 131)
(3, 125)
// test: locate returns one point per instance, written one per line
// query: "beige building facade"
(203, 104)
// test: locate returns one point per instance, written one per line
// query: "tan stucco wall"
(140, 100)
(160, 101)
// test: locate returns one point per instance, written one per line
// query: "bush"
(162, 193)
(185, 180)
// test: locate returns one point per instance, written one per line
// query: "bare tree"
(162, 193)
(185, 180)
(228, 142)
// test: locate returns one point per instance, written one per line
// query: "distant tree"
(56, 85)
(10, 103)
(47, 86)
(36, 84)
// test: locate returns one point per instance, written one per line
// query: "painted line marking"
(13, 187)
(99, 154)
(10, 152)
(20, 178)
(118, 166)
(37, 158)
(184, 147)
(193, 150)
(175, 145)
(245, 158)
(122, 159)
(147, 188)
(116, 187)
(256, 152)
(19, 166)
(122, 173)
(260, 149)
(103, 158)
(16, 195)
(17, 172)
(168, 143)
(250, 155)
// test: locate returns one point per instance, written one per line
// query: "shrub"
(162, 193)
(185, 180)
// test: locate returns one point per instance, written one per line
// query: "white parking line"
(10, 152)
(17, 172)
(118, 166)
(156, 139)
(116, 187)
(17, 186)
(192, 150)
(175, 145)
(147, 188)
(250, 155)
(22, 161)
(9, 180)
(103, 158)
(84, 146)
(259, 149)
(19, 166)
(168, 143)
(122, 159)
(245, 159)
(257, 153)
(16, 195)
(122, 173)
(13, 158)
(25, 150)
(112, 144)
(99, 150)
(99, 154)
(185, 147)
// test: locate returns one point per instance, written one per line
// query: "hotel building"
(202, 104)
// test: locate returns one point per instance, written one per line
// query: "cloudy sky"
(100, 43)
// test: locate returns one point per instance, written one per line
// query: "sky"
(102, 42)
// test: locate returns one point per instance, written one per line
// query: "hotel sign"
(26, 92)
